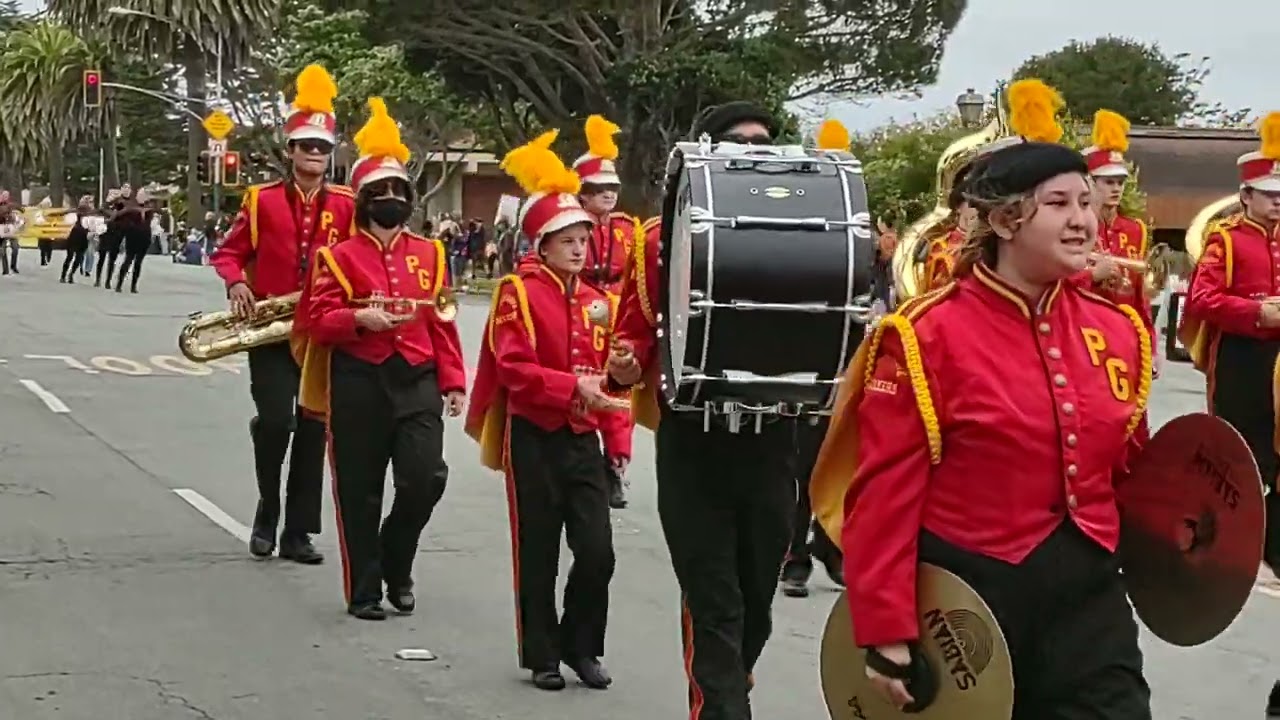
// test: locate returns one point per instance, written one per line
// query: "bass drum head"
(675, 253)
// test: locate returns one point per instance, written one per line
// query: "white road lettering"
(124, 366)
(180, 366)
(70, 361)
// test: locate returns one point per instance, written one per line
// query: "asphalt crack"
(164, 688)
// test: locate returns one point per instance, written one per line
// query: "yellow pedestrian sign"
(218, 124)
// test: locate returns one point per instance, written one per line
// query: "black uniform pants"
(273, 382)
(380, 415)
(108, 250)
(1243, 396)
(73, 262)
(808, 443)
(556, 482)
(8, 255)
(1067, 620)
(726, 502)
(134, 252)
(46, 251)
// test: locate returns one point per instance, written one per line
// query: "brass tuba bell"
(909, 255)
(1202, 223)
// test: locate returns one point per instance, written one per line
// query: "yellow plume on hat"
(380, 136)
(1110, 131)
(600, 134)
(833, 135)
(1269, 129)
(537, 168)
(1033, 111)
(316, 90)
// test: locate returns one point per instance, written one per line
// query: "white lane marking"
(70, 361)
(214, 513)
(50, 400)
(3, 361)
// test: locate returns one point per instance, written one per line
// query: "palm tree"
(41, 107)
(186, 31)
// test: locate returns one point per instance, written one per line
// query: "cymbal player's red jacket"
(987, 420)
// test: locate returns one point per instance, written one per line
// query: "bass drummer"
(726, 500)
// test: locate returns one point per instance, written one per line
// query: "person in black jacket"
(135, 224)
(110, 241)
(78, 240)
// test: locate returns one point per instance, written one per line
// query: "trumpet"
(1130, 264)
(445, 304)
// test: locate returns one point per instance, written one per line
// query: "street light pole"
(217, 102)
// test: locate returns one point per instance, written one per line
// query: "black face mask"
(389, 212)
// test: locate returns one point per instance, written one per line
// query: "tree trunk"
(57, 171)
(110, 148)
(642, 166)
(194, 73)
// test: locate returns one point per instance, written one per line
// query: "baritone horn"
(910, 253)
(212, 335)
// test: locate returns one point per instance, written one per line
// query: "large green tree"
(1135, 79)
(652, 66)
(430, 115)
(193, 33)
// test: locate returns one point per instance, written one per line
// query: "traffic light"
(92, 88)
(231, 168)
(203, 169)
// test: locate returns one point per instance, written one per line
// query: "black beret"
(1021, 168)
(720, 119)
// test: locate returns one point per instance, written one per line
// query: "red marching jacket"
(538, 340)
(1239, 266)
(637, 322)
(941, 259)
(276, 233)
(986, 419)
(1124, 237)
(611, 241)
(409, 267)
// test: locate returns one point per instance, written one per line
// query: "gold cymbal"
(958, 634)
(1192, 524)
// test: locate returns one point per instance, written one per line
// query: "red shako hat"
(1105, 157)
(553, 188)
(598, 165)
(312, 115)
(1260, 169)
(382, 154)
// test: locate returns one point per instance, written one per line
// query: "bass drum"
(767, 257)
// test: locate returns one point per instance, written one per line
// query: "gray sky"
(995, 36)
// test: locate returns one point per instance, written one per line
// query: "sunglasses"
(754, 139)
(314, 146)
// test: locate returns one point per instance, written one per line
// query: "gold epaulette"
(341, 190)
(649, 224)
(1228, 222)
(619, 215)
(269, 184)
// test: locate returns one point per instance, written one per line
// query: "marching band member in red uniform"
(1231, 320)
(266, 254)
(983, 428)
(1118, 235)
(395, 369)
(726, 500)
(940, 261)
(537, 406)
(611, 238)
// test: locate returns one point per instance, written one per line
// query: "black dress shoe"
(548, 680)
(261, 546)
(795, 579)
(368, 611)
(402, 599)
(1273, 702)
(591, 672)
(298, 548)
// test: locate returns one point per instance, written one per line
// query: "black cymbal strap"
(918, 677)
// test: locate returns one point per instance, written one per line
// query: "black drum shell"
(766, 265)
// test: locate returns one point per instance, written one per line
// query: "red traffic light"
(91, 78)
(232, 159)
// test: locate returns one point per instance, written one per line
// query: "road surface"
(126, 590)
